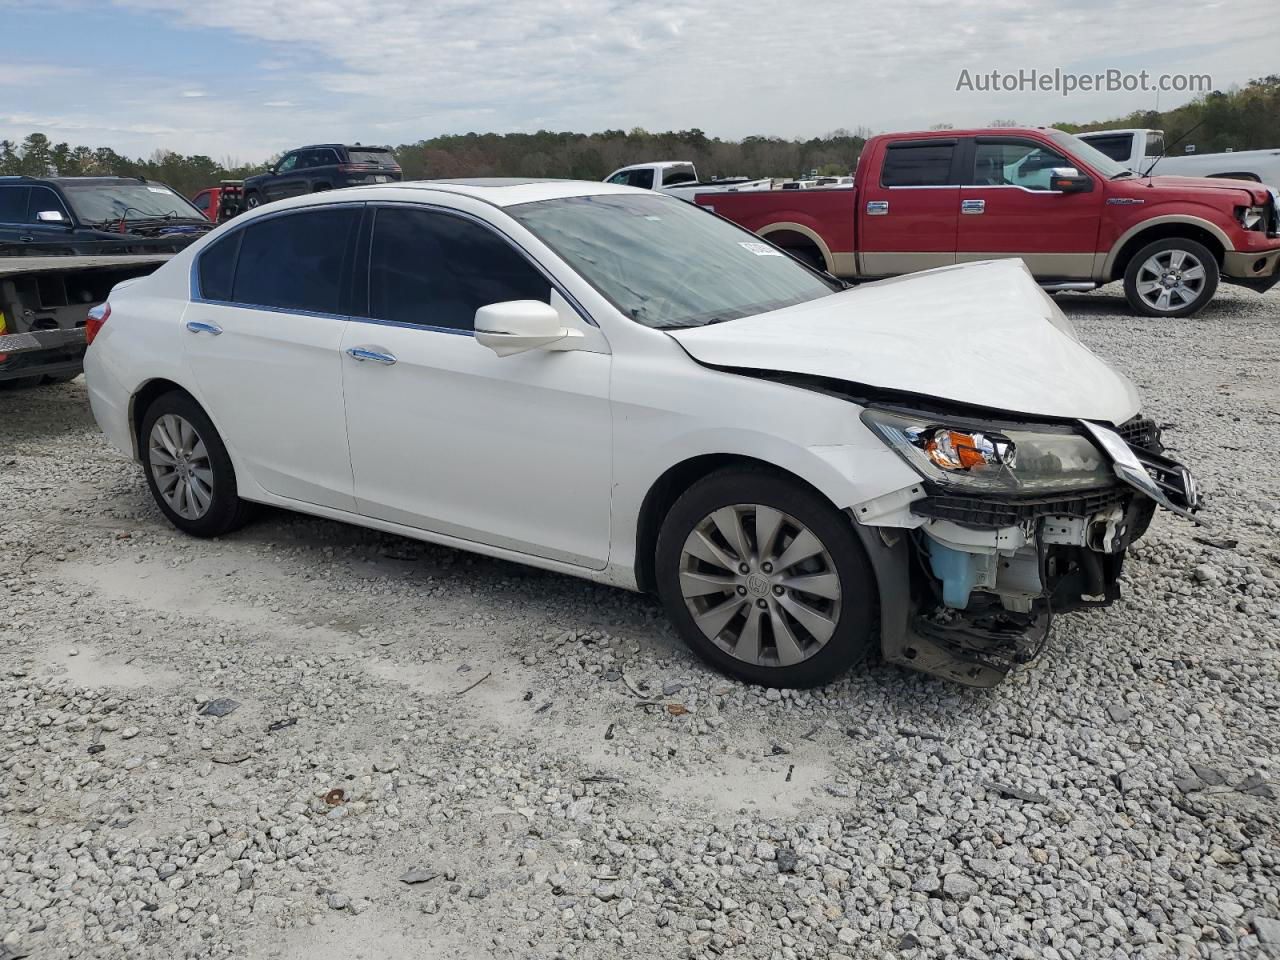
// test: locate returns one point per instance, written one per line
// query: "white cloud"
(408, 69)
(194, 94)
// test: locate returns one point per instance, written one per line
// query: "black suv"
(324, 166)
(87, 215)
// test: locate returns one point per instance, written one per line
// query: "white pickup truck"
(680, 179)
(1139, 149)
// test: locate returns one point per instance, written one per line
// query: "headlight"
(994, 460)
(1252, 218)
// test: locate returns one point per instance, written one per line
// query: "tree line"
(1240, 119)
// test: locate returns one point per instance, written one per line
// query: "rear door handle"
(877, 208)
(973, 206)
(364, 353)
(199, 326)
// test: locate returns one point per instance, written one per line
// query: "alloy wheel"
(760, 585)
(180, 464)
(1170, 279)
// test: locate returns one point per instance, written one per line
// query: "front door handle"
(364, 353)
(973, 206)
(877, 208)
(199, 326)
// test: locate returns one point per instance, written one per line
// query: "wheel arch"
(1162, 228)
(141, 401)
(667, 489)
(797, 236)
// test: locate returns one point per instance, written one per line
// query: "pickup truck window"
(1117, 147)
(1155, 144)
(673, 175)
(1077, 148)
(666, 263)
(917, 164)
(1015, 163)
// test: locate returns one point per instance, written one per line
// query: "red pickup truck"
(1076, 217)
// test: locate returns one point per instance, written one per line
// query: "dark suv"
(324, 166)
(85, 215)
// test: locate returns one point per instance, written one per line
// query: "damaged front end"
(1011, 523)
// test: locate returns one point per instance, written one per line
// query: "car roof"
(498, 191)
(89, 181)
(340, 146)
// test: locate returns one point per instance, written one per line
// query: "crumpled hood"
(978, 333)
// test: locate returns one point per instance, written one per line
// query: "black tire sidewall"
(227, 510)
(856, 630)
(1198, 250)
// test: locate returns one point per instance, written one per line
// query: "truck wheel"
(1171, 278)
(188, 469)
(766, 580)
(252, 199)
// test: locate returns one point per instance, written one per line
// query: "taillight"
(93, 322)
(4, 328)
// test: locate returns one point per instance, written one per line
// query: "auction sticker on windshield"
(759, 249)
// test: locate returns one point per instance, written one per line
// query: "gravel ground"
(309, 740)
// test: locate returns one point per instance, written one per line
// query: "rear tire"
(738, 596)
(188, 470)
(1175, 277)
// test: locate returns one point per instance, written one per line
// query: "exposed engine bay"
(989, 571)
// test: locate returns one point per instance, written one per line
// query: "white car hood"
(978, 333)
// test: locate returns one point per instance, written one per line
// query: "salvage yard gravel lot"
(307, 740)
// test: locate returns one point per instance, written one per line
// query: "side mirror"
(1069, 180)
(52, 216)
(515, 326)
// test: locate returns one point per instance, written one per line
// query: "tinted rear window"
(296, 261)
(917, 165)
(383, 158)
(13, 204)
(217, 267)
(1117, 148)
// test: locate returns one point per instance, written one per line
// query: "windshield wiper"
(1122, 174)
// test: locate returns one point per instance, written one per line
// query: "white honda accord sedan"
(621, 386)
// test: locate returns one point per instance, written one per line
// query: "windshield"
(1091, 155)
(96, 202)
(666, 263)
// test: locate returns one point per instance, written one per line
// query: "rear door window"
(918, 164)
(299, 261)
(218, 267)
(436, 270)
(13, 204)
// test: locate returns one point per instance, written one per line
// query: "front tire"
(766, 580)
(188, 469)
(1171, 278)
(252, 199)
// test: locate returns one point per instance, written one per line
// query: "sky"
(246, 79)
